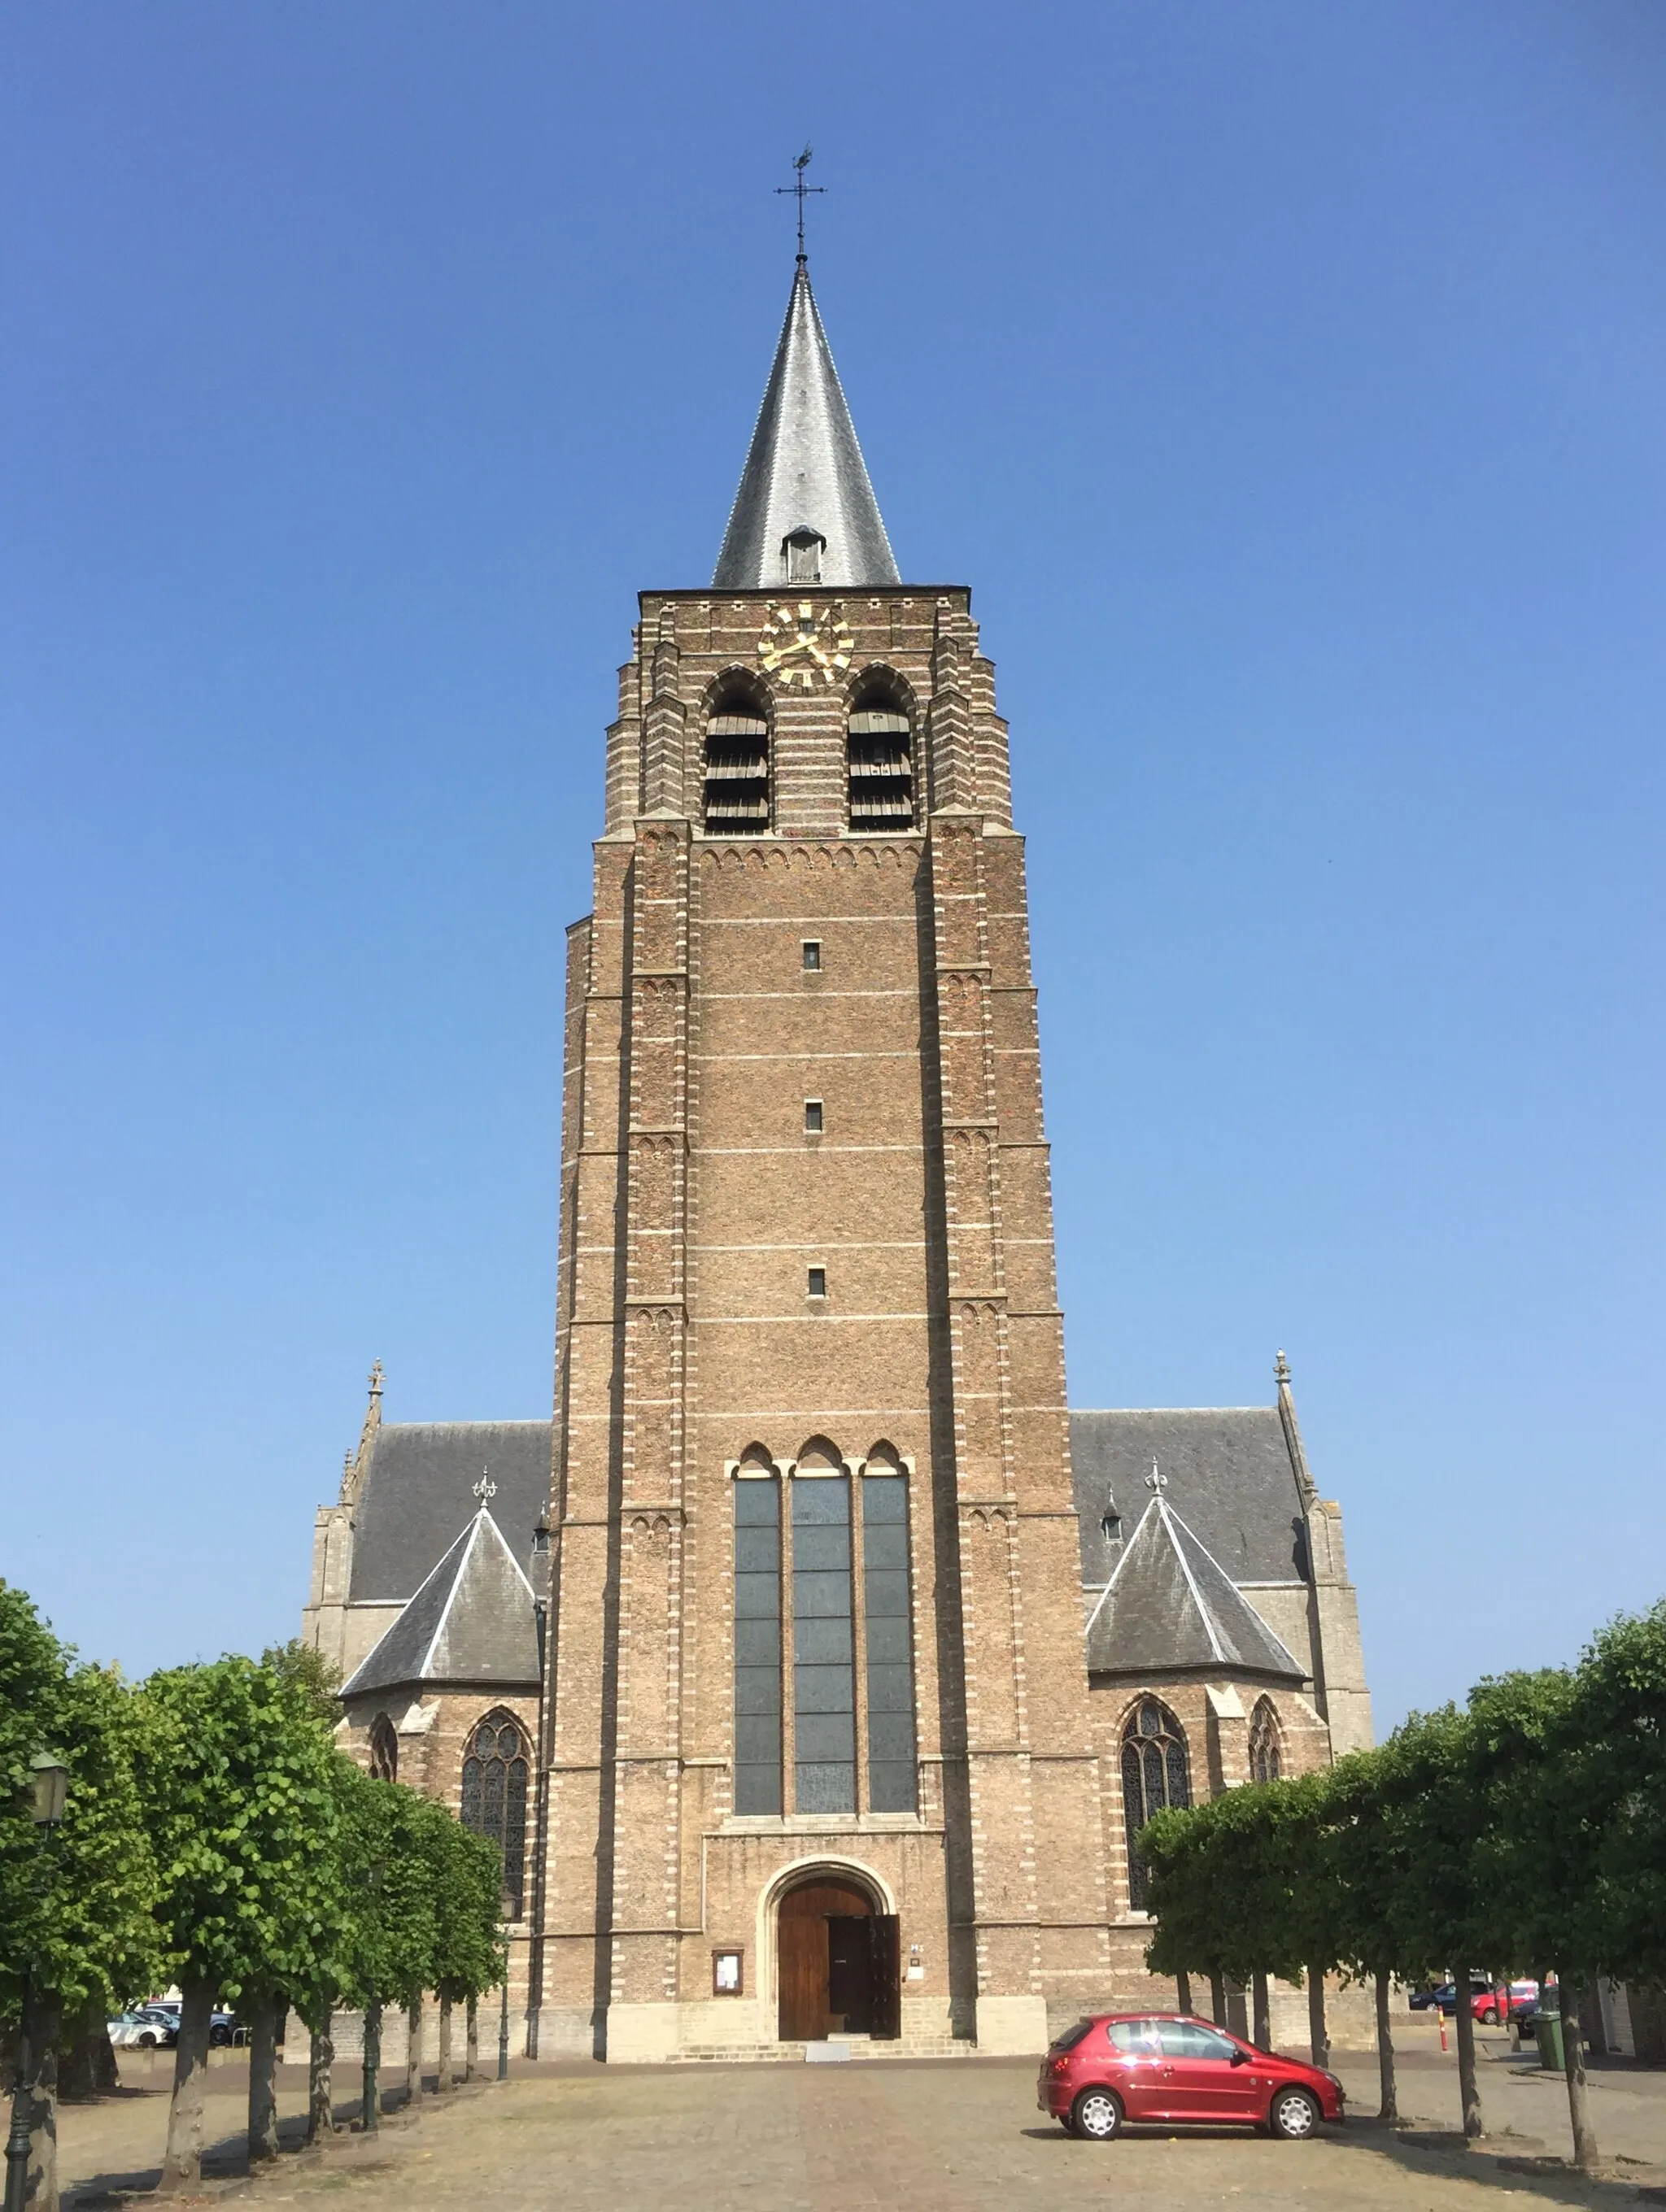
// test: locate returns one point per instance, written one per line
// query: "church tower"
(816, 1741)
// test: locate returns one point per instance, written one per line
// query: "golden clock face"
(801, 647)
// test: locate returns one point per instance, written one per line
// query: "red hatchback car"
(1129, 2066)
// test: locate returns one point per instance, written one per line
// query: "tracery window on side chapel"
(494, 1801)
(830, 1557)
(1266, 1761)
(1156, 1774)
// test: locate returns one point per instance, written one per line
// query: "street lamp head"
(49, 1786)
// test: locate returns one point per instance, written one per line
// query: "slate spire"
(805, 512)
(1171, 1608)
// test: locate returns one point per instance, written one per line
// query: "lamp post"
(49, 1780)
(503, 2008)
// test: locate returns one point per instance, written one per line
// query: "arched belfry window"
(880, 760)
(801, 551)
(494, 1772)
(1266, 1761)
(1155, 1775)
(384, 1749)
(737, 766)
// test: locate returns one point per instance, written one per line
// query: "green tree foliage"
(467, 1875)
(76, 1906)
(238, 1772)
(1619, 1719)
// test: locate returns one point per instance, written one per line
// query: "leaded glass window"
(1265, 1763)
(495, 1772)
(823, 1655)
(890, 1639)
(1155, 1775)
(757, 1646)
(384, 1749)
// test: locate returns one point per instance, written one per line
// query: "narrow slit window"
(812, 956)
(889, 1638)
(818, 1283)
(824, 1657)
(812, 1116)
(757, 1644)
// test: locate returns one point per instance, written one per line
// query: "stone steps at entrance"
(862, 2050)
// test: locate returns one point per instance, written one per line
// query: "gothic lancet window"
(495, 1770)
(1155, 1775)
(879, 759)
(736, 801)
(1266, 1764)
(384, 1749)
(823, 1652)
(757, 1644)
(890, 1640)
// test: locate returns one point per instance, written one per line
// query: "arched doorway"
(837, 1962)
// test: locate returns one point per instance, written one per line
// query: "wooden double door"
(838, 1964)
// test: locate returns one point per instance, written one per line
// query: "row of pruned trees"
(1526, 1830)
(213, 1834)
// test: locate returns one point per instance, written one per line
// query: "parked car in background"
(1118, 2067)
(225, 2028)
(141, 2031)
(1524, 1997)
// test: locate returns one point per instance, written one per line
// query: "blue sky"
(1284, 379)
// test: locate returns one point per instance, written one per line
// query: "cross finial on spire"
(375, 1378)
(1281, 1370)
(485, 1489)
(799, 190)
(1156, 1481)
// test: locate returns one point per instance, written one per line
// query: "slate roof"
(1229, 1472)
(1170, 1608)
(804, 470)
(417, 1495)
(473, 1621)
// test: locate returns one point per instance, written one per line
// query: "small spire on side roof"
(1293, 1432)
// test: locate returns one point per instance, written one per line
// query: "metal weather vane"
(799, 190)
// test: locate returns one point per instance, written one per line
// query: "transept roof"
(473, 1621)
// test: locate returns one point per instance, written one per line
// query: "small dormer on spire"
(805, 511)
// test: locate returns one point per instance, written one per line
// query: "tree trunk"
(472, 2040)
(263, 2064)
(1318, 2034)
(370, 2105)
(1573, 2062)
(413, 2051)
(1218, 1999)
(1260, 2033)
(320, 2062)
(1464, 2019)
(444, 2069)
(182, 2161)
(87, 2060)
(1390, 2110)
(1183, 1992)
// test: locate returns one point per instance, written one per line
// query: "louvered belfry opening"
(736, 790)
(880, 762)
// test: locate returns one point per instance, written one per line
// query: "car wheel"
(1294, 2115)
(1490, 2017)
(1095, 2114)
(147, 2042)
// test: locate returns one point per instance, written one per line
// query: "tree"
(468, 1957)
(389, 1955)
(76, 1929)
(238, 1781)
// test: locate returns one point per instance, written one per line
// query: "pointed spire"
(1293, 1432)
(805, 478)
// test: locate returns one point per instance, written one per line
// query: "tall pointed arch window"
(1266, 1761)
(736, 798)
(1155, 1775)
(494, 1772)
(879, 759)
(384, 1749)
